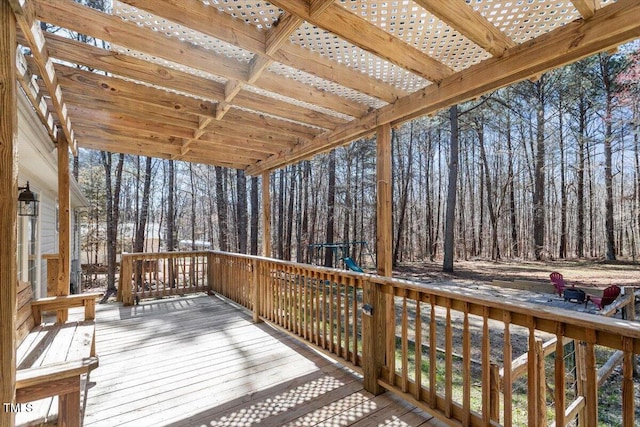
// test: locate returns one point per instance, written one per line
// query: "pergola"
(253, 85)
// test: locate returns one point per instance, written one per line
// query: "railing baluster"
(405, 345)
(332, 316)
(507, 386)
(354, 321)
(448, 363)
(339, 323)
(628, 394)
(559, 378)
(347, 323)
(433, 353)
(418, 350)
(466, 369)
(532, 377)
(486, 368)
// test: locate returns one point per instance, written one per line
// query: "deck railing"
(161, 274)
(470, 359)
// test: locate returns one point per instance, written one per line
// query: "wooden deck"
(199, 361)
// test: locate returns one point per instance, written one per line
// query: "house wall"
(37, 163)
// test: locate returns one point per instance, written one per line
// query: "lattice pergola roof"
(255, 85)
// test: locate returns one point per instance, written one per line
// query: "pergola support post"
(8, 212)
(64, 223)
(383, 202)
(378, 308)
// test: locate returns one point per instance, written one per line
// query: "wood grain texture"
(200, 361)
(8, 209)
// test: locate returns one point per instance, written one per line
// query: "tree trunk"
(289, 228)
(241, 188)
(331, 202)
(221, 204)
(113, 215)
(404, 196)
(608, 175)
(449, 238)
(281, 236)
(539, 180)
(512, 193)
(582, 129)
(255, 215)
(493, 217)
(138, 244)
(562, 250)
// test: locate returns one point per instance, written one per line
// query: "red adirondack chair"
(558, 282)
(609, 295)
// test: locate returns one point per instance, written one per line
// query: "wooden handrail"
(419, 340)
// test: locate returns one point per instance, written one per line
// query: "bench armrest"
(88, 301)
(56, 371)
(59, 379)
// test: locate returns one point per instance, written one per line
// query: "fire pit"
(574, 294)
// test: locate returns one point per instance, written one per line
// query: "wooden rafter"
(209, 21)
(317, 7)
(132, 118)
(472, 24)
(587, 8)
(26, 19)
(609, 27)
(114, 30)
(367, 36)
(110, 86)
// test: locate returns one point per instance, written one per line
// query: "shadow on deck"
(199, 361)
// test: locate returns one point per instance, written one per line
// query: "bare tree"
(449, 238)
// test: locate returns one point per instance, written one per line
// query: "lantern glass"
(27, 202)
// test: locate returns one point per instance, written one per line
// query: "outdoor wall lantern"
(27, 202)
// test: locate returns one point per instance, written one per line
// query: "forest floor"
(581, 273)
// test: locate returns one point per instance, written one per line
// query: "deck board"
(199, 361)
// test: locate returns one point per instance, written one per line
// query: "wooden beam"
(8, 210)
(35, 94)
(26, 19)
(109, 87)
(64, 223)
(238, 123)
(102, 141)
(208, 20)
(317, 7)
(610, 26)
(587, 8)
(266, 215)
(115, 30)
(463, 18)
(279, 34)
(90, 117)
(384, 187)
(358, 31)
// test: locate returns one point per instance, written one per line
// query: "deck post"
(384, 228)
(383, 202)
(373, 335)
(266, 216)
(8, 210)
(64, 222)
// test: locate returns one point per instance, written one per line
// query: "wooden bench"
(53, 359)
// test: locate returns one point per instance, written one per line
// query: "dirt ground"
(581, 273)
